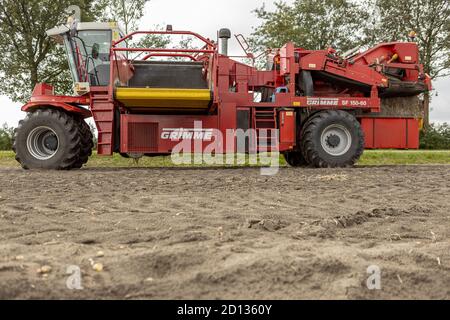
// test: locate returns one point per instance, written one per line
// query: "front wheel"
(48, 139)
(332, 139)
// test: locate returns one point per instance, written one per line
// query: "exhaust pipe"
(224, 36)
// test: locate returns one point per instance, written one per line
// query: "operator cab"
(88, 46)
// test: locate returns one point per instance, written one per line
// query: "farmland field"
(228, 233)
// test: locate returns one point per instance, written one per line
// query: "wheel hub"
(336, 140)
(333, 141)
(42, 143)
(51, 142)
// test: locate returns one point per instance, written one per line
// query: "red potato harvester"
(326, 108)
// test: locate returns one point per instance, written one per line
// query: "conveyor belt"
(164, 98)
(168, 74)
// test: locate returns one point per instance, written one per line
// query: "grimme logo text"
(187, 134)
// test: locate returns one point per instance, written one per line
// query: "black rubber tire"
(312, 148)
(307, 83)
(67, 130)
(86, 144)
(295, 159)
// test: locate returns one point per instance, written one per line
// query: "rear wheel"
(295, 159)
(47, 139)
(333, 139)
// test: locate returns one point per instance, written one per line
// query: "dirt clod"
(44, 270)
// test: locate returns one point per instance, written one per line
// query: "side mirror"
(95, 51)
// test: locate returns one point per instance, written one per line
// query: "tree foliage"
(27, 55)
(311, 24)
(6, 136)
(126, 12)
(437, 137)
(153, 40)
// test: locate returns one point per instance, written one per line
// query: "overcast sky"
(206, 17)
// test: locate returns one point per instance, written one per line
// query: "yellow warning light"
(421, 124)
(394, 58)
(412, 35)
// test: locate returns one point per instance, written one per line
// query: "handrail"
(209, 48)
(190, 33)
(241, 40)
(163, 50)
(150, 55)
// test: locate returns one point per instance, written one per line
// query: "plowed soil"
(226, 233)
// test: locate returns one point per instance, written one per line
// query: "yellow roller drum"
(164, 98)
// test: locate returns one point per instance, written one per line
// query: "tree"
(126, 12)
(437, 137)
(6, 136)
(311, 24)
(430, 19)
(153, 40)
(27, 55)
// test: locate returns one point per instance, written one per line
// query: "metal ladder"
(264, 122)
(103, 112)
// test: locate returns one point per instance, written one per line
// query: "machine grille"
(142, 137)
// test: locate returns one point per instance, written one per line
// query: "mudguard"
(43, 96)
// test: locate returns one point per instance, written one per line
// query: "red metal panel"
(143, 137)
(368, 129)
(227, 120)
(152, 133)
(43, 89)
(287, 130)
(391, 133)
(413, 133)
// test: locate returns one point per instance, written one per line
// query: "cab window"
(98, 45)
